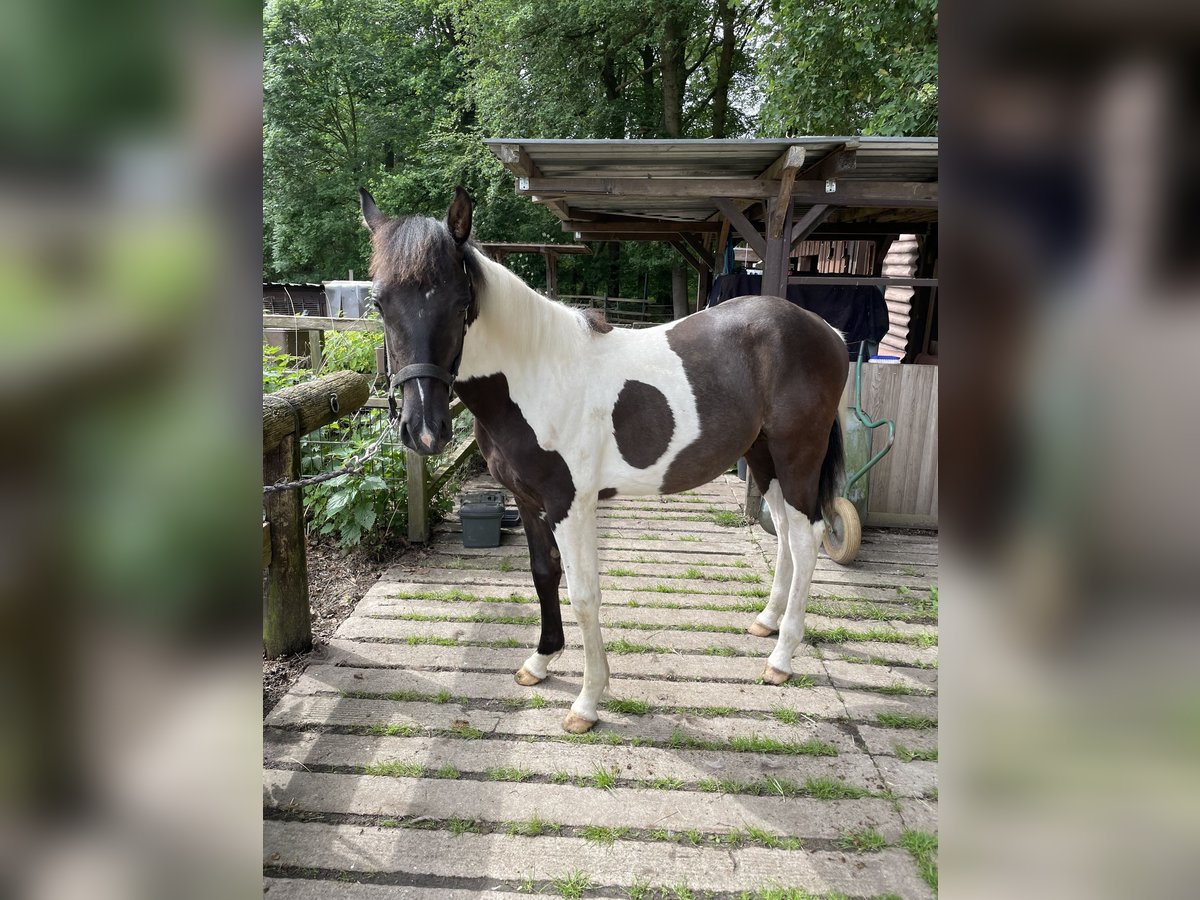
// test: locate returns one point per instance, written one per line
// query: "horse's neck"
(518, 332)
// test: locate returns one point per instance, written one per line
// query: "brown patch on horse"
(777, 415)
(607, 493)
(596, 321)
(536, 476)
(642, 424)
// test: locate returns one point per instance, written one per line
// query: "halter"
(427, 370)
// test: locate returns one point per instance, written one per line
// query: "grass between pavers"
(908, 755)
(690, 574)
(862, 840)
(841, 635)
(679, 740)
(868, 611)
(923, 846)
(905, 720)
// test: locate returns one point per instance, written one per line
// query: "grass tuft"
(572, 885)
(599, 834)
(862, 840)
(395, 768)
(404, 730)
(831, 789)
(909, 755)
(447, 771)
(508, 773)
(904, 720)
(630, 707)
(923, 847)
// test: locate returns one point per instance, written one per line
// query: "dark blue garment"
(858, 311)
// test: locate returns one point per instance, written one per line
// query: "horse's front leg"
(546, 566)
(576, 536)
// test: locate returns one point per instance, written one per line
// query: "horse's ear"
(372, 217)
(458, 219)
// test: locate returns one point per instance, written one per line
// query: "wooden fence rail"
(288, 415)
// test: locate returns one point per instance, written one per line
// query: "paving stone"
(569, 665)
(907, 654)
(919, 815)
(908, 779)
(883, 740)
(687, 641)
(862, 706)
(511, 858)
(659, 727)
(565, 804)
(816, 701)
(857, 675)
(316, 889)
(632, 763)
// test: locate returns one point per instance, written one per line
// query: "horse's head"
(424, 275)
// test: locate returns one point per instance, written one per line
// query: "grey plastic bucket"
(481, 514)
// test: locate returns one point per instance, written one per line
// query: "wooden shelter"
(777, 195)
(550, 253)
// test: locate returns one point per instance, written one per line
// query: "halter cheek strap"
(425, 370)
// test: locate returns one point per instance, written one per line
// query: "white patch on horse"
(566, 378)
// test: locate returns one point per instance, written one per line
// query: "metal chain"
(355, 464)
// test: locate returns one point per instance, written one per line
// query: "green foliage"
(281, 370)
(353, 350)
(845, 67)
(366, 505)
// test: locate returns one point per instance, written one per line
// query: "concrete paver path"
(407, 763)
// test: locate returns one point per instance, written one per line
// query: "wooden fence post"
(287, 626)
(418, 497)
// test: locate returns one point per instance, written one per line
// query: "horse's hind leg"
(766, 623)
(762, 470)
(546, 566)
(798, 468)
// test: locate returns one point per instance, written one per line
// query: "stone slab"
(512, 858)
(566, 804)
(546, 759)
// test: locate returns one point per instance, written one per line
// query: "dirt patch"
(337, 580)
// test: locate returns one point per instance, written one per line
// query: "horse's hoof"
(527, 678)
(772, 675)
(759, 630)
(574, 724)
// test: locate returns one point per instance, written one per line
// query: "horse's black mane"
(418, 250)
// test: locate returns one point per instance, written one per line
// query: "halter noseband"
(427, 370)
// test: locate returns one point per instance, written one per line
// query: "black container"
(481, 513)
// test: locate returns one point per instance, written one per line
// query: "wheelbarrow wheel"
(843, 532)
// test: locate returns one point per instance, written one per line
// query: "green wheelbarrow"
(843, 529)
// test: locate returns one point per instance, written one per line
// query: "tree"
(848, 67)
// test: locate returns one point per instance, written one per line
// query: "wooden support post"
(418, 497)
(314, 350)
(775, 263)
(287, 626)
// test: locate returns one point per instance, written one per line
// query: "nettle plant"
(281, 370)
(360, 507)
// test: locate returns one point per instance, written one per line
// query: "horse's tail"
(831, 469)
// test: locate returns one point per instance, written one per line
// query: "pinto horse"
(570, 411)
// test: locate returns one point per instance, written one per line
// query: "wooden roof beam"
(743, 226)
(881, 194)
(832, 164)
(643, 226)
(784, 170)
(519, 162)
(704, 254)
(809, 221)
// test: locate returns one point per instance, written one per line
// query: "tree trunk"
(679, 291)
(671, 59)
(614, 269)
(724, 74)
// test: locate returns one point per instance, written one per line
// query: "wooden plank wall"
(904, 484)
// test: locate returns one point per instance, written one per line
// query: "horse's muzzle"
(424, 431)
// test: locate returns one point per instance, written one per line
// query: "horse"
(570, 411)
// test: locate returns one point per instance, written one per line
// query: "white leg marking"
(782, 585)
(804, 539)
(538, 663)
(576, 537)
